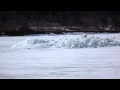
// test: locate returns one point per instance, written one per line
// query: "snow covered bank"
(82, 41)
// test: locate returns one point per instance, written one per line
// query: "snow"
(58, 63)
(81, 41)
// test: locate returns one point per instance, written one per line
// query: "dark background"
(34, 22)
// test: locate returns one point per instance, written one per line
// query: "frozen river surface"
(58, 63)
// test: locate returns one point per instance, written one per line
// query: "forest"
(40, 22)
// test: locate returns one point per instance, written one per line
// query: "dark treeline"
(28, 22)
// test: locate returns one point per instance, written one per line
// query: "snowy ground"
(58, 63)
